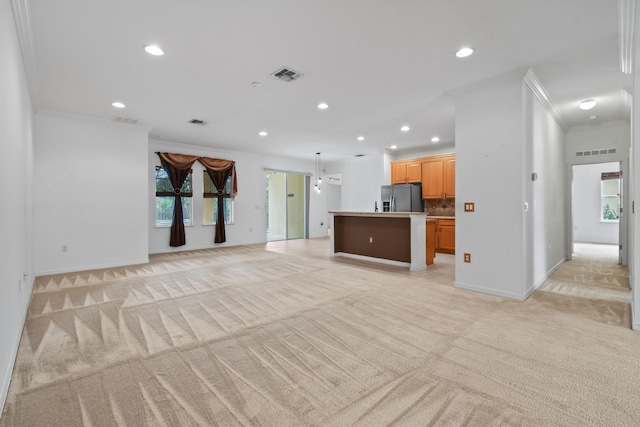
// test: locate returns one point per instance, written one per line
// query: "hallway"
(593, 273)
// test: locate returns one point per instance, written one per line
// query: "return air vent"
(598, 152)
(286, 74)
(124, 120)
(197, 122)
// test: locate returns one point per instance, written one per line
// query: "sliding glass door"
(287, 205)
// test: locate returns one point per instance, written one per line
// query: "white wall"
(634, 182)
(586, 208)
(489, 172)
(250, 224)
(430, 149)
(545, 220)
(16, 209)
(362, 178)
(91, 193)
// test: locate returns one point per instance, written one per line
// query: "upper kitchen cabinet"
(449, 165)
(439, 177)
(405, 171)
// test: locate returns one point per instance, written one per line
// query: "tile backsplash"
(440, 207)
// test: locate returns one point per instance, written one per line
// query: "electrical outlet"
(467, 257)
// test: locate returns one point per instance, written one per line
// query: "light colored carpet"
(282, 335)
(593, 272)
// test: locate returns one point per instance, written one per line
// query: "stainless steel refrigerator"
(402, 198)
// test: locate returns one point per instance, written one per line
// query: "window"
(610, 197)
(165, 199)
(210, 203)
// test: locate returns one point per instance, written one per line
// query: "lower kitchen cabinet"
(446, 236)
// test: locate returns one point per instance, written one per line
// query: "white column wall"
(489, 172)
(90, 193)
(16, 209)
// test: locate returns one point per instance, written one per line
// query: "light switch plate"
(467, 257)
(469, 207)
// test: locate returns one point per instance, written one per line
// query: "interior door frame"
(623, 161)
(307, 180)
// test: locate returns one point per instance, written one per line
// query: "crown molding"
(541, 93)
(22, 18)
(627, 17)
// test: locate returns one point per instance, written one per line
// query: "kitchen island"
(396, 238)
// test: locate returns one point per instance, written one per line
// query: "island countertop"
(383, 214)
(397, 238)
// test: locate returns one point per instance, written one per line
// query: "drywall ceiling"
(378, 64)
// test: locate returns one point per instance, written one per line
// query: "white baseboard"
(13, 350)
(91, 267)
(372, 259)
(490, 291)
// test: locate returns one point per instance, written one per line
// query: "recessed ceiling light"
(393, 147)
(360, 138)
(464, 52)
(435, 139)
(154, 50)
(118, 104)
(405, 128)
(256, 84)
(262, 133)
(323, 106)
(588, 104)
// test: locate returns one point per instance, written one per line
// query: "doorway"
(596, 206)
(287, 201)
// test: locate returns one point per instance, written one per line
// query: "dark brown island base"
(396, 238)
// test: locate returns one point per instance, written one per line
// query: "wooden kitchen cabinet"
(439, 177)
(404, 171)
(431, 241)
(449, 170)
(446, 236)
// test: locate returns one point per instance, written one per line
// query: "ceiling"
(378, 64)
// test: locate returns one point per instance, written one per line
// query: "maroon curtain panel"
(219, 171)
(177, 167)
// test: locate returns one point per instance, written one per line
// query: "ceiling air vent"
(124, 120)
(197, 122)
(599, 152)
(359, 155)
(286, 74)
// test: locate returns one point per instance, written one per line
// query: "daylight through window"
(165, 199)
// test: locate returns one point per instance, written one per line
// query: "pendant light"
(318, 171)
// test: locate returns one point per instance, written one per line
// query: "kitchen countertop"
(441, 217)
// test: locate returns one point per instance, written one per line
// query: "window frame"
(183, 195)
(214, 196)
(609, 176)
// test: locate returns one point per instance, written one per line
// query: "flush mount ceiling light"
(154, 50)
(464, 52)
(118, 104)
(360, 138)
(435, 139)
(394, 147)
(405, 128)
(323, 106)
(256, 84)
(262, 133)
(587, 104)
